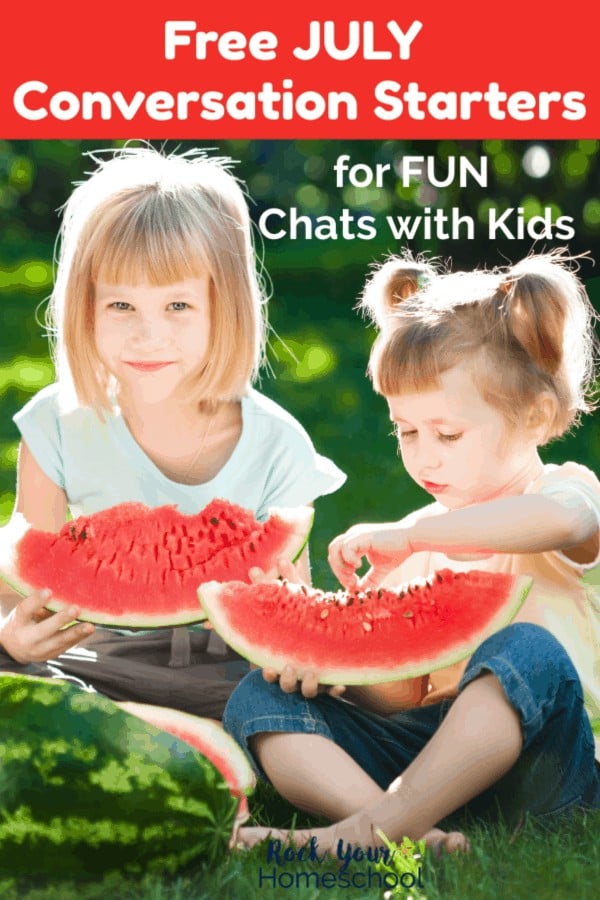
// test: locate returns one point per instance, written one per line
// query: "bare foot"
(448, 841)
(355, 829)
(250, 836)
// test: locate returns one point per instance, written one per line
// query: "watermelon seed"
(367, 626)
(252, 547)
(324, 613)
(368, 615)
(213, 520)
(302, 588)
(72, 532)
(379, 594)
(408, 614)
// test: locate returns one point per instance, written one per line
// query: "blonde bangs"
(137, 239)
(408, 360)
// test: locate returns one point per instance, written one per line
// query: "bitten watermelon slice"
(364, 638)
(137, 567)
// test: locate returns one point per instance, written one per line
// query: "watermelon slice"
(364, 637)
(209, 738)
(136, 567)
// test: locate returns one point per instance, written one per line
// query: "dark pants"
(162, 668)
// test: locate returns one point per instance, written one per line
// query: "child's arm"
(28, 632)
(528, 523)
(42, 502)
(390, 697)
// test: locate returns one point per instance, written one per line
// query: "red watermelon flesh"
(208, 737)
(139, 567)
(364, 637)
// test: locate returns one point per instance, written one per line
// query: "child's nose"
(430, 457)
(150, 330)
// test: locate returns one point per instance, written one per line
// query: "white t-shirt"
(99, 464)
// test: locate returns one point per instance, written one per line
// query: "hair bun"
(397, 280)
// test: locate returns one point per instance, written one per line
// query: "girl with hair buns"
(479, 369)
(159, 323)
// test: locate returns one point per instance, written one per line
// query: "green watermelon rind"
(87, 788)
(204, 731)
(299, 518)
(210, 595)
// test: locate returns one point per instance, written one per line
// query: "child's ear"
(541, 417)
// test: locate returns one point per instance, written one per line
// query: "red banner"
(274, 70)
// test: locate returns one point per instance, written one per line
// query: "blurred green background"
(318, 346)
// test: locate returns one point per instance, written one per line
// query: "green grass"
(556, 860)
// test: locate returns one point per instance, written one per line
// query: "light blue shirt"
(99, 464)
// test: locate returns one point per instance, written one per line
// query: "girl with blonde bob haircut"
(160, 219)
(479, 369)
(158, 322)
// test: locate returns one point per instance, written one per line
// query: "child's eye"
(403, 435)
(120, 305)
(178, 305)
(450, 437)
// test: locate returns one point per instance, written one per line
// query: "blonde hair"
(528, 329)
(146, 216)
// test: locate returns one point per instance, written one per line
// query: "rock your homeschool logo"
(395, 869)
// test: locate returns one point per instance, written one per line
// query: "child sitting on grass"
(479, 370)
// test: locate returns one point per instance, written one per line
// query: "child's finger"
(343, 568)
(310, 685)
(336, 690)
(34, 604)
(51, 626)
(370, 579)
(288, 570)
(288, 680)
(64, 640)
(270, 675)
(256, 575)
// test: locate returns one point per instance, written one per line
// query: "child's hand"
(286, 569)
(308, 685)
(31, 633)
(385, 546)
(288, 679)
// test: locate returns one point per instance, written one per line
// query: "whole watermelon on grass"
(87, 789)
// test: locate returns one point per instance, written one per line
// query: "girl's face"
(458, 447)
(153, 337)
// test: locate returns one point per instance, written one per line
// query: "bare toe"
(449, 842)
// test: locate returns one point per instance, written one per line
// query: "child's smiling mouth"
(142, 366)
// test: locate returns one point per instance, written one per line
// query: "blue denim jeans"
(555, 772)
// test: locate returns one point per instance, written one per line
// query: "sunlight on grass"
(308, 359)
(8, 454)
(7, 501)
(25, 372)
(33, 274)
